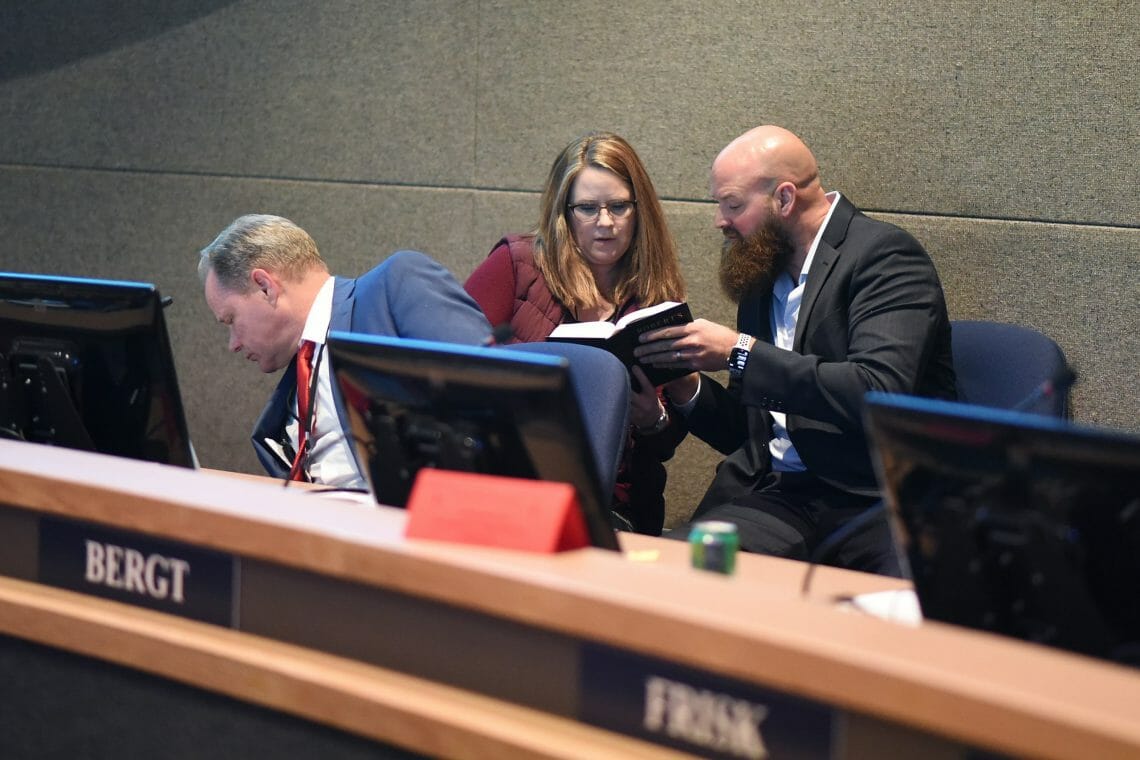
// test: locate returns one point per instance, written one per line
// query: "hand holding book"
(697, 346)
(622, 337)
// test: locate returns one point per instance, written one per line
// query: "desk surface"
(753, 627)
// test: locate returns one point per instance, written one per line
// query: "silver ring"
(677, 355)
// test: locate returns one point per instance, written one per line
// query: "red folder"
(489, 510)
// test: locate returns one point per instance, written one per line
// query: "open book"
(621, 338)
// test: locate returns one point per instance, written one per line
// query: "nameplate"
(137, 569)
(698, 712)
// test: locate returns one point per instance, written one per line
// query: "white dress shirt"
(331, 461)
(786, 297)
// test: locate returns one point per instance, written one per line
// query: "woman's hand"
(645, 407)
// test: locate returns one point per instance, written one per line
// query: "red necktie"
(304, 417)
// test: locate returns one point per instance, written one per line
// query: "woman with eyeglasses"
(602, 248)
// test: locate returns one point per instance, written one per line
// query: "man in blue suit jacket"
(832, 304)
(265, 280)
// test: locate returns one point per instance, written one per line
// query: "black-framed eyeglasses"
(589, 211)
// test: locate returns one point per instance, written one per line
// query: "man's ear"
(785, 195)
(267, 284)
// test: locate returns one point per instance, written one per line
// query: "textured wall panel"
(341, 90)
(960, 108)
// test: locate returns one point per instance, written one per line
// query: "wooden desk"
(420, 631)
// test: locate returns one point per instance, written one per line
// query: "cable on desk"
(837, 537)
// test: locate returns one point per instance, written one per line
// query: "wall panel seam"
(518, 191)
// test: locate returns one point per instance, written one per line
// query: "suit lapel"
(825, 257)
(344, 296)
(821, 265)
(270, 426)
(341, 316)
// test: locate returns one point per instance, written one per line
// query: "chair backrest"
(601, 385)
(1008, 366)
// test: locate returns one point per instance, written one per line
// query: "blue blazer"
(409, 295)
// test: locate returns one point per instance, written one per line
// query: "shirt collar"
(320, 314)
(833, 199)
(784, 285)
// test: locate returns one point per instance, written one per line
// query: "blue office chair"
(601, 385)
(998, 365)
(1010, 367)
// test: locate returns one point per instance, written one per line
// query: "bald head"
(767, 176)
(769, 153)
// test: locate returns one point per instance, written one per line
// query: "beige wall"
(1004, 137)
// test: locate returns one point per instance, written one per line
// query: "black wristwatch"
(738, 356)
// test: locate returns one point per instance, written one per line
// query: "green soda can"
(713, 544)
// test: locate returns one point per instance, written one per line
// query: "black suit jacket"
(873, 317)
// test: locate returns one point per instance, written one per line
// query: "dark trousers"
(794, 514)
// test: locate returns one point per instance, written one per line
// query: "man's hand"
(699, 345)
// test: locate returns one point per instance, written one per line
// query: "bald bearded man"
(831, 304)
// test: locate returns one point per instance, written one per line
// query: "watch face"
(736, 361)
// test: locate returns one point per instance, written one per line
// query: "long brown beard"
(753, 262)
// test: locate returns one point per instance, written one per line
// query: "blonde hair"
(648, 273)
(259, 241)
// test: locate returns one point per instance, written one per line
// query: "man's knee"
(759, 532)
